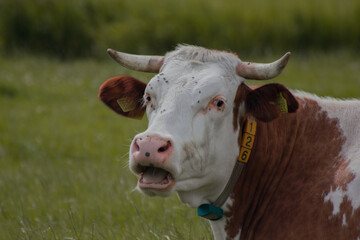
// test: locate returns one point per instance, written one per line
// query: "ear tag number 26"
(247, 141)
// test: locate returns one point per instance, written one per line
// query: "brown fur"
(261, 102)
(295, 163)
(121, 87)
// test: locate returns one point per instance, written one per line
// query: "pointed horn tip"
(285, 60)
(111, 52)
(287, 56)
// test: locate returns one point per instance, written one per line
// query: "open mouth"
(155, 178)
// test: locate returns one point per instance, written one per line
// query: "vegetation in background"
(63, 154)
(87, 27)
(63, 160)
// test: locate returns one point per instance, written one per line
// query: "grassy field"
(63, 154)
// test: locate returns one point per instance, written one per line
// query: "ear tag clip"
(126, 104)
(210, 212)
(281, 103)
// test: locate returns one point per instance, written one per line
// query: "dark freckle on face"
(199, 91)
(198, 101)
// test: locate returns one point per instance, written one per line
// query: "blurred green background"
(63, 154)
(85, 28)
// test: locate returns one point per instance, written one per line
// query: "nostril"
(136, 146)
(162, 149)
(165, 147)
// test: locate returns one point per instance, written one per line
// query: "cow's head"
(194, 106)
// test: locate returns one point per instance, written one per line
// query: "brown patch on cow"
(126, 89)
(295, 164)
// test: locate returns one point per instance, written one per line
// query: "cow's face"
(191, 143)
(190, 117)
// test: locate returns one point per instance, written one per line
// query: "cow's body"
(302, 180)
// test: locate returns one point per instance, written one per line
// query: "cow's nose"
(151, 150)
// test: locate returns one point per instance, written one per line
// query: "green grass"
(63, 154)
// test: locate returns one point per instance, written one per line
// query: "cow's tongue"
(154, 175)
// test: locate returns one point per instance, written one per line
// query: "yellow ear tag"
(126, 104)
(281, 103)
(248, 140)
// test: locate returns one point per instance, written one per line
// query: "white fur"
(348, 114)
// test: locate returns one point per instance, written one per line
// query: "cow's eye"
(147, 99)
(218, 103)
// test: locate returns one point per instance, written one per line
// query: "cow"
(258, 162)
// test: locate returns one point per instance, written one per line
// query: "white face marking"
(191, 103)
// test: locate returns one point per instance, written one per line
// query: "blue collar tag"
(210, 212)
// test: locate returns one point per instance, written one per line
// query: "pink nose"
(151, 150)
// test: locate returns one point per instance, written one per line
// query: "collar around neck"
(213, 211)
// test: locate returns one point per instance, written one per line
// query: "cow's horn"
(138, 62)
(262, 71)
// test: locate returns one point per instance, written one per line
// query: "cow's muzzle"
(150, 155)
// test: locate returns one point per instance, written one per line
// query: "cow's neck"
(282, 147)
(268, 161)
(254, 185)
(213, 211)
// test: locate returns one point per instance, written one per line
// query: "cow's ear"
(269, 101)
(124, 95)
